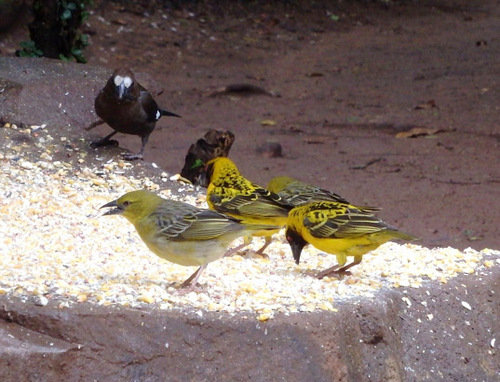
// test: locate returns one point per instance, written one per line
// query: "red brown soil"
(342, 92)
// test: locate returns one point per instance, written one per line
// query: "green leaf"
(84, 38)
(71, 6)
(66, 15)
(85, 15)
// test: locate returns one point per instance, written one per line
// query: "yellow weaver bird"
(228, 192)
(339, 229)
(179, 232)
(296, 193)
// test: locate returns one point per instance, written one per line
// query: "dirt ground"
(342, 81)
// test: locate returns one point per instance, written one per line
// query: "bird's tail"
(261, 229)
(369, 209)
(168, 113)
(398, 235)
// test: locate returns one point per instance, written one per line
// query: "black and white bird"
(127, 107)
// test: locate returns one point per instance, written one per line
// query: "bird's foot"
(259, 253)
(104, 142)
(248, 253)
(332, 271)
(133, 156)
(339, 274)
(190, 284)
(186, 288)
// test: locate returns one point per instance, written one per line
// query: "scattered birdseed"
(56, 245)
(466, 305)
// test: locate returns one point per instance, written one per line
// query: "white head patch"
(118, 80)
(127, 81)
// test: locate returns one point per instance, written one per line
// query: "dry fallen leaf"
(426, 105)
(419, 132)
(268, 122)
(315, 74)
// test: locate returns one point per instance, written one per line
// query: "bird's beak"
(297, 243)
(170, 114)
(203, 180)
(296, 251)
(116, 211)
(205, 176)
(122, 89)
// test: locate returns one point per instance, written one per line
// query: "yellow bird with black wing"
(340, 229)
(228, 192)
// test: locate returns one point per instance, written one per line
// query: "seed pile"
(55, 245)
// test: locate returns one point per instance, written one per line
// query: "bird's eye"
(126, 203)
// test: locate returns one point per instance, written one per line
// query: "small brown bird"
(127, 108)
(214, 144)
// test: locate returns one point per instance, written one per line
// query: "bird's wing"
(341, 221)
(191, 223)
(149, 106)
(173, 219)
(206, 225)
(248, 201)
(323, 194)
(297, 193)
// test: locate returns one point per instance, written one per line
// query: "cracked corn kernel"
(55, 243)
(99, 182)
(147, 299)
(488, 263)
(264, 317)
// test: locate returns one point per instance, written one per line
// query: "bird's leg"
(247, 241)
(327, 272)
(94, 124)
(191, 281)
(106, 141)
(261, 250)
(344, 270)
(340, 270)
(139, 155)
(232, 251)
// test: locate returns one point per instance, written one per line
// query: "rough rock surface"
(424, 334)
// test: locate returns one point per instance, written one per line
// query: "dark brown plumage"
(127, 108)
(214, 144)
